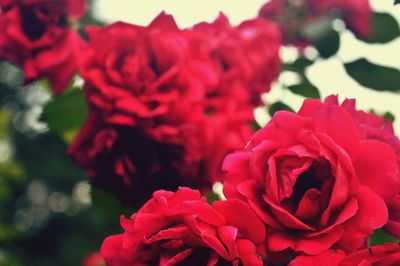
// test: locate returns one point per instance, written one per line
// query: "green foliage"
(389, 117)
(384, 28)
(255, 126)
(299, 65)
(396, 2)
(380, 237)
(106, 203)
(211, 197)
(305, 89)
(278, 106)
(373, 76)
(325, 39)
(72, 108)
(328, 45)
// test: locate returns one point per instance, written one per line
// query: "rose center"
(313, 177)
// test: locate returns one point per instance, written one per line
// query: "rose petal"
(239, 214)
(377, 168)
(281, 240)
(335, 122)
(309, 205)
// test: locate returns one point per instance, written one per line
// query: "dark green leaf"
(325, 39)
(389, 117)
(255, 126)
(299, 65)
(384, 29)
(273, 108)
(211, 197)
(107, 202)
(380, 237)
(396, 2)
(374, 76)
(307, 90)
(328, 44)
(66, 113)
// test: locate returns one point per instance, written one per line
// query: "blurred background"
(50, 215)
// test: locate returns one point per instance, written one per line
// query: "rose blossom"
(35, 35)
(245, 57)
(327, 258)
(181, 227)
(142, 96)
(314, 180)
(130, 164)
(374, 127)
(294, 16)
(153, 122)
(385, 254)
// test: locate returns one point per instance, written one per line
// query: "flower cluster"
(37, 36)
(167, 104)
(182, 227)
(312, 186)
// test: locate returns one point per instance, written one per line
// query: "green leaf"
(396, 2)
(380, 237)
(278, 106)
(211, 197)
(328, 44)
(66, 114)
(106, 202)
(373, 76)
(325, 39)
(305, 89)
(389, 117)
(384, 28)
(299, 65)
(255, 126)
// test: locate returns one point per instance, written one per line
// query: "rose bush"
(182, 228)
(37, 37)
(314, 179)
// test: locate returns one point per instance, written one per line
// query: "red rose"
(313, 180)
(262, 42)
(142, 77)
(132, 165)
(35, 36)
(246, 57)
(153, 123)
(374, 127)
(393, 225)
(296, 16)
(182, 227)
(327, 258)
(380, 255)
(94, 259)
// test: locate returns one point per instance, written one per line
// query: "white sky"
(328, 75)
